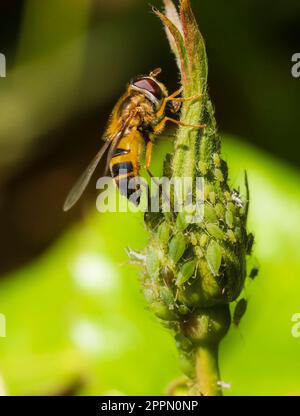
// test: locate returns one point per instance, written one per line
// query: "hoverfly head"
(150, 87)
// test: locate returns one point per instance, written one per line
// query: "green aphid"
(193, 239)
(163, 232)
(231, 208)
(214, 257)
(212, 197)
(209, 213)
(183, 310)
(150, 294)
(253, 273)
(177, 247)
(203, 168)
(186, 272)
(203, 240)
(162, 311)
(217, 160)
(219, 175)
(207, 189)
(214, 231)
(227, 196)
(229, 218)
(167, 297)
(239, 311)
(199, 252)
(250, 242)
(238, 233)
(220, 210)
(230, 235)
(152, 263)
(181, 222)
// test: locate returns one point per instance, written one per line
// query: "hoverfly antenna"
(155, 72)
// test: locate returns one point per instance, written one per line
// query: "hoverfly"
(138, 115)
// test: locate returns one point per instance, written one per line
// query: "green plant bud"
(214, 257)
(177, 247)
(239, 311)
(215, 231)
(208, 325)
(229, 218)
(162, 311)
(181, 222)
(209, 213)
(186, 272)
(220, 210)
(219, 175)
(192, 296)
(163, 232)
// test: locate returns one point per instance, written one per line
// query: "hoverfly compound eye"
(149, 85)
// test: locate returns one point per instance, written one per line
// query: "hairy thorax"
(137, 111)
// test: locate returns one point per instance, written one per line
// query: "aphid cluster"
(202, 266)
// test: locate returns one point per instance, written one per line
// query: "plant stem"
(207, 370)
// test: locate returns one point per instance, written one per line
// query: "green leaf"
(177, 45)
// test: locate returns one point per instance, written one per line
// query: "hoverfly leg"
(171, 97)
(161, 125)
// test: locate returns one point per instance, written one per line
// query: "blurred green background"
(76, 321)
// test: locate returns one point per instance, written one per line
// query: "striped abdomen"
(125, 163)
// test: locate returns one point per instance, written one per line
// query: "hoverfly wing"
(84, 179)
